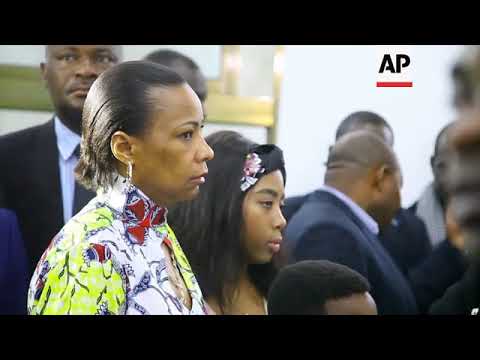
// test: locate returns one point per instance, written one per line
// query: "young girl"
(232, 233)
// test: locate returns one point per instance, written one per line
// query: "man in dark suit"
(13, 266)
(405, 250)
(340, 222)
(37, 181)
(405, 238)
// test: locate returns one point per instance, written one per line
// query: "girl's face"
(263, 218)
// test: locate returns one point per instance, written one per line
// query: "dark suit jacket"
(462, 297)
(430, 271)
(406, 239)
(30, 183)
(325, 228)
(13, 266)
(292, 205)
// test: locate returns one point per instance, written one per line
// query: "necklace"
(179, 284)
(176, 279)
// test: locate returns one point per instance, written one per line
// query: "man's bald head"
(365, 168)
(358, 152)
(366, 120)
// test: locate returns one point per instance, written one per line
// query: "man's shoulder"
(407, 218)
(321, 213)
(20, 139)
(324, 207)
(6, 215)
(463, 297)
(8, 220)
(293, 204)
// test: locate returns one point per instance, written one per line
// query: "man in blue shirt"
(405, 238)
(38, 181)
(340, 222)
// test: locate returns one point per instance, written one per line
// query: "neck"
(160, 202)
(122, 172)
(72, 119)
(350, 191)
(244, 279)
(246, 299)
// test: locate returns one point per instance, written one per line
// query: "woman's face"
(170, 158)
(263, 218)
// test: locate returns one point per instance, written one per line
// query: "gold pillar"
(231, 63)
(278, 70)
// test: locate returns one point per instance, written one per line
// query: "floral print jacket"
(108, 260)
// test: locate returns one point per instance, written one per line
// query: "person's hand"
(454, 234)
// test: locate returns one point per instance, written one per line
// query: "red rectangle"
(394, 84)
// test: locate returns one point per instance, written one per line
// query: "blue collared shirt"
(67, 141)
(357, 210)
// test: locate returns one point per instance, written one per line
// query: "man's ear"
(432, 163)
(43, 72)
(378, 177)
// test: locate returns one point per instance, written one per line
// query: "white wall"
(323, 84)
(14, 120)
(256, 70)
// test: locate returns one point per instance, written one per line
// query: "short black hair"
(117, 100)
(209, 227)
(168, 57)
(171, 59)
(359, 119)
(304, 287)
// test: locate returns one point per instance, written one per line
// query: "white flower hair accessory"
(251, 171)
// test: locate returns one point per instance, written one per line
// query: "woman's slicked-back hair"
(118, 100)
(210, 227)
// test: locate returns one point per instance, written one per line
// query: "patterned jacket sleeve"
(85, 280)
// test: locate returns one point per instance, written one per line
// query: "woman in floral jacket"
(142, 150)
